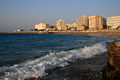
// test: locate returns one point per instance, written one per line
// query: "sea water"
(25, 55)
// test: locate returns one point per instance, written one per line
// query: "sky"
(25, 14)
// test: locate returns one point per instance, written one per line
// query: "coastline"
(102, 33)
(80, 69)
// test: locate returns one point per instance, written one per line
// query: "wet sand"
(108, 33)
(79, 69)
(114, 34)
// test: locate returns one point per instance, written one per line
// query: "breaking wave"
(36, 68)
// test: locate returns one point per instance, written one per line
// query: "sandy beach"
(105, 33)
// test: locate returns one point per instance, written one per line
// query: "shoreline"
(78, 69)
(101, 33)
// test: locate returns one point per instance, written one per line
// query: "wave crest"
(37, 67)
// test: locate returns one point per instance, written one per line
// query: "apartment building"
(82, 23)
(96, 22)
(60, 24)
(113, 22)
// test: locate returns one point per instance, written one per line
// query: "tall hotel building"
(60, 24)
(82, 21)
(96, 22)
(113, 22)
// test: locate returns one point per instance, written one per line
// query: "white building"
(113, 22)
(60, 24)
(41, 26)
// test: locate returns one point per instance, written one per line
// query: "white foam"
(37, 67)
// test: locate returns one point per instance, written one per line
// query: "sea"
(26, 55)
